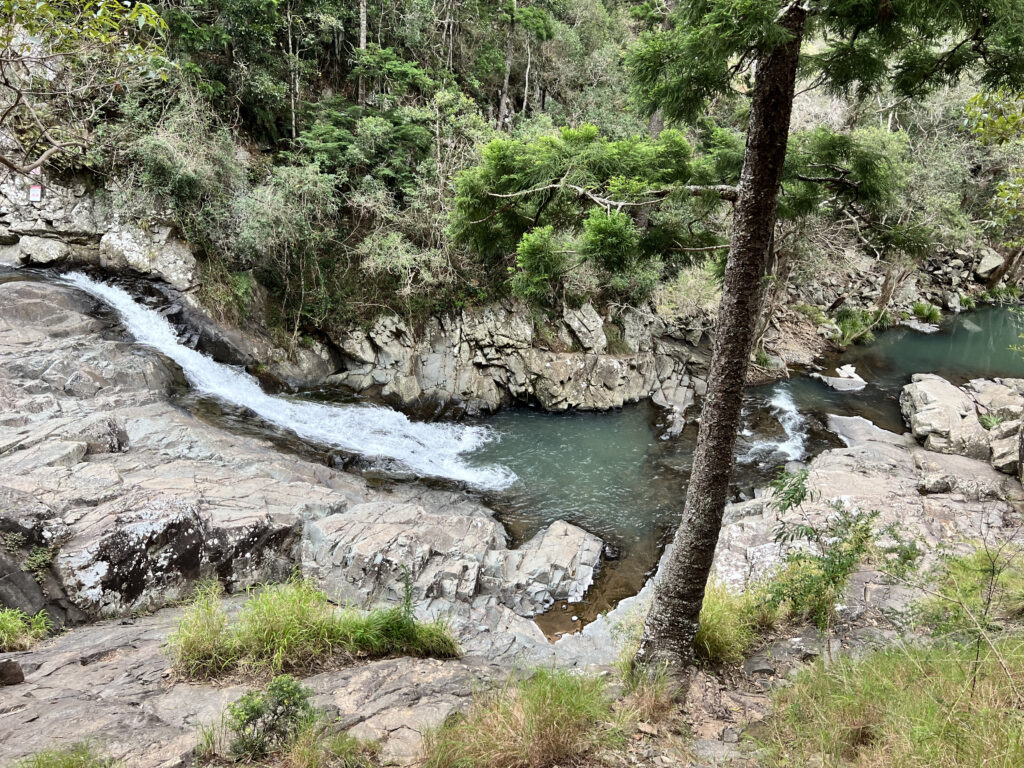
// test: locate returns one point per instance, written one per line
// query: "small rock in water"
(575, 618)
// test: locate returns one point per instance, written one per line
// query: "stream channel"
(613, 474)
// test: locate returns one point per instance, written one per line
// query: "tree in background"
(998, 118)
(62, 66)
(758, 46)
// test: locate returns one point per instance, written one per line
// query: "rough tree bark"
(671, 625)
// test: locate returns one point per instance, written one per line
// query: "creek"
(614, 474)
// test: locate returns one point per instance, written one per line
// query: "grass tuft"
(927, 312)
(77, 756)
(19, 631)
(553, 718)
(907, 707)
(316, 746)
(293, 627)
(730, 624)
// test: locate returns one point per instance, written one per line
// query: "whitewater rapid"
(438, 450)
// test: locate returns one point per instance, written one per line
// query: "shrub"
(293, 626)
(694, 292)
(812, 581)
(261, 721)
(911, 707)
(927, 312)
(553, 718)
(855, 326)
(978, 592)
(19, 630)
(77, 756)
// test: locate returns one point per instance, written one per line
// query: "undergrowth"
(279, 726)
(19, 631)
(77, 756)
(929, 707)
(292, 627)
(553, 718)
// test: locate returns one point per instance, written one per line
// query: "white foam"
(794, 446)
(792, 422)
(436, 449)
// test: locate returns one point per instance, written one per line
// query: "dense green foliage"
(19, 630)
(293, 627)
(321, 183)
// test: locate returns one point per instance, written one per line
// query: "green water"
(611, 475)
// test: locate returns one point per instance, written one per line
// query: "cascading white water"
(438, 450)
(794, 446)
(792, 422)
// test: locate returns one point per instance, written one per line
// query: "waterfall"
(438, 450)
(793, 446)
(784, 407)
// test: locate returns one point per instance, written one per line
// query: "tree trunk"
(362, 47)
(509, 49)
(672, 622)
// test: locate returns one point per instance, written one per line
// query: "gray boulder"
(943, 417)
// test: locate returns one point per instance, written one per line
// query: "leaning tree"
(763, 48)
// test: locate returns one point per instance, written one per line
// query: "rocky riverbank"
(133, 500)
(479, 359)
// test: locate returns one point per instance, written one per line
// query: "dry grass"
(554, 718)
(909, 707)
(693, 292)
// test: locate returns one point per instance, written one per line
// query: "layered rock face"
(479, 360)
(135, 499)
(947, 419)
(75, 223)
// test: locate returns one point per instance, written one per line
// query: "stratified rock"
(996, 399)
(480, 359)
(587, 327)
(943, 417)
(1005, 439)
(129, 247)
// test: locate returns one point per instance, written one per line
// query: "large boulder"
(989, 263)
(943, 417)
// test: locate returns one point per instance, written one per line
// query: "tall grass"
(552, 718)
(19, 631)
(907, 707)
(730, 624)
(293, 627)
(77, 756)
